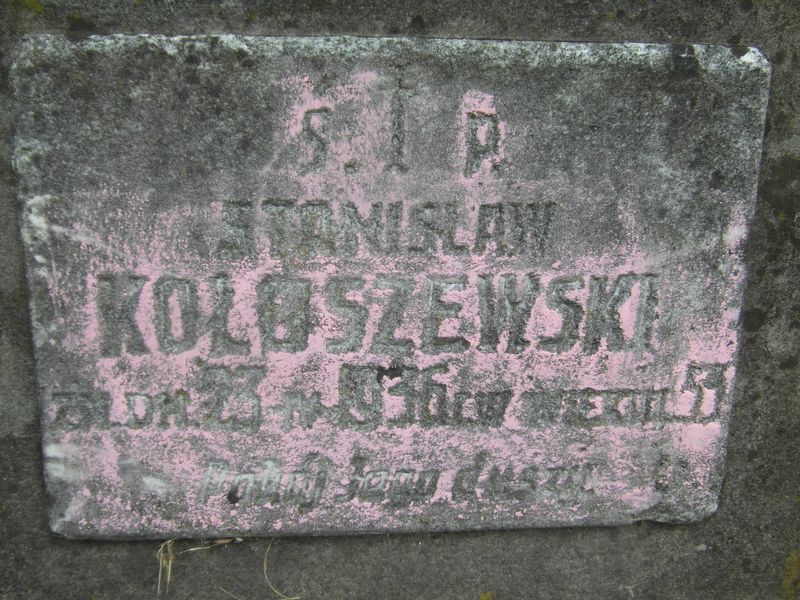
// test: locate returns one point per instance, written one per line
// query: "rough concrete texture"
(749, 548)
(314, 285)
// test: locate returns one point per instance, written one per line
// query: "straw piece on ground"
(165, 556)
(231, 594)
(269, 583)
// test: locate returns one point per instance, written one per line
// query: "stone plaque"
(315, 285)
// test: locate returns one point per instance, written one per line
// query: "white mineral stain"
(158, 486)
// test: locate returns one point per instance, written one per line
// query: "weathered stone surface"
(317, 285)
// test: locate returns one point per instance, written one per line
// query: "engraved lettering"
(603, 313)
(491, 229)
(78, 410)
(284, 313)
(341, 228)
(400, 487)
(360, 400)
(269, 486)
(394, 309)
(571, 314)
(542, 407)
(485, 409)
(646, 313)
(508, 311)
(424, 399)
(317, 226)
(117, 300)
(602, 319)
(222, 342)
(358, 232)
(394, 219)
(491, 407)
(396, 161)
(704, 388)
(465, 483)
(529, 228)
(399, 299)
(237, 239)
(353, 313)
(278, 212)
(176, 314)
(305, 486)
(300, 410)
(435, 222)
(314, 130)
(505, 484)
(231, 397)
(482, 139)
(589, 407)
(438, 311)
(162, 410)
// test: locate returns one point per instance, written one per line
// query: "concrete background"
(750, 549)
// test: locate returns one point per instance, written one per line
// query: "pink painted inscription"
(390, 296)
